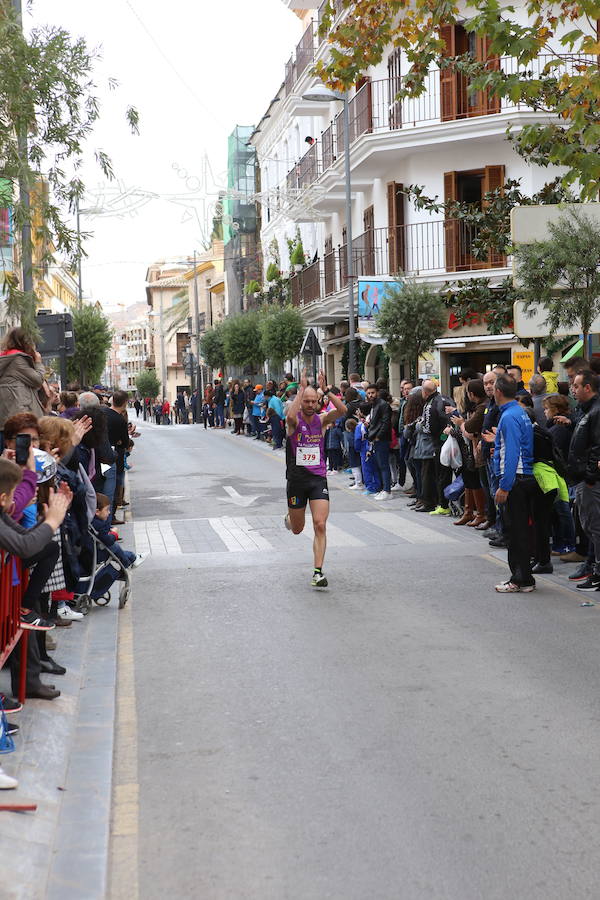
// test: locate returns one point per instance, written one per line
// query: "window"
(394, 85)
(396, 232)
(469, 187)
(457, 101)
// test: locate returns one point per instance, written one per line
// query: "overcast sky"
(230, 56)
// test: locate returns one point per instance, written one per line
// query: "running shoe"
(10, 705)
(591, 583)
(440, 511)
(32, 621)
(286, 522)
(318, 580)
(509, 587)
(581, 572)
(140, 558)
(68, 615)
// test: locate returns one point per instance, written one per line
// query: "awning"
(575, 349)
(450, 343)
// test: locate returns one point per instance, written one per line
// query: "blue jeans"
(110, 483)
(277, 431)
(257, 426)
(381, 455)
(125, 556)
(219, 414)
(564, 529)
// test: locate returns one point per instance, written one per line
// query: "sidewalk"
(63, 760)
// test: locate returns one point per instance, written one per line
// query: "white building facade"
(450, 142)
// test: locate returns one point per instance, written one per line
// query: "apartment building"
(449, 141)
(165, 287)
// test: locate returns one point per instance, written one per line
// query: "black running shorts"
(310, 487)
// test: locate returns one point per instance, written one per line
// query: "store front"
(480, 352)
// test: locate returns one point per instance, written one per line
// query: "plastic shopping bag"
(450, 455)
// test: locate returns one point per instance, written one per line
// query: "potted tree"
(297, 258)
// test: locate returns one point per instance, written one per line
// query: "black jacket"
(219, 397)
(435, 417)
(380, 426)
(584, 452)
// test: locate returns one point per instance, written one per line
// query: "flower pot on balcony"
(297, 267)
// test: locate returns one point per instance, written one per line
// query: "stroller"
(101, 562)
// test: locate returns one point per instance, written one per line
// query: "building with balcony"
(450, 141)
(166, 287)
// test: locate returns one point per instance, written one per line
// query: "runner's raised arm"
(292, 413)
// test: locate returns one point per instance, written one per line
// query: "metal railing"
(13, 578)
(375, 107)
(429, 247)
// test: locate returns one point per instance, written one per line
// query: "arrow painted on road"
(236, 498)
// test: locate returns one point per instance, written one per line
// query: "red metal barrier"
(13, 579)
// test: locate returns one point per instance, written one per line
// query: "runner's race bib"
(308, 456)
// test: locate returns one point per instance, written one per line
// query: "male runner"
(306, 464)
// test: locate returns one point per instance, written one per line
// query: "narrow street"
(407, 733)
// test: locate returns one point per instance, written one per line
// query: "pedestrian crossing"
(256, 534)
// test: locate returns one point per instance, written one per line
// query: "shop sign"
(525, 359)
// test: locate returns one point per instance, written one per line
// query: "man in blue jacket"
(513, 467)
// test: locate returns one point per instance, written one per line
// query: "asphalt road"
(405, 734)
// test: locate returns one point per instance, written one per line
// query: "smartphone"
(22, 445)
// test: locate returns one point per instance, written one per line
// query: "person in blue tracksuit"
(517, 487)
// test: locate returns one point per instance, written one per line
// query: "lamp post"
(323, 94)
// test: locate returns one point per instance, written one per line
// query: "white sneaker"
(396, 487)
(68, 614)
(382, 495)
(140, 558)
(6, 782)
(356, 487)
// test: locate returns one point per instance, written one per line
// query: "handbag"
(424, 447)
(455, 489)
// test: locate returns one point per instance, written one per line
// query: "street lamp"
(322, 94)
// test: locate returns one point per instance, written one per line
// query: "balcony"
(441, 247)
(301, 59)
(375, 109)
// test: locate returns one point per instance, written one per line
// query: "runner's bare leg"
(320, 511)
(297, 519)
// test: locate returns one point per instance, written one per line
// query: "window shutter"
(368, 249)
(490, 102)
(396, 245)
(493, 178)
(451, 226)
(448, 76)
(394, 69)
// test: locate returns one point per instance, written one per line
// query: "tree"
(412, 318)
(212, 348)
(147, 384)
(565, 85)
(47, 93)
(282, 331)
(93, 336)
(562, 275)
(242, 341)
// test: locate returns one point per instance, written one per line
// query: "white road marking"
(336, 537)
(156, 537)
(260, 542)
(236, 498)
(409, 531)
(231, 541)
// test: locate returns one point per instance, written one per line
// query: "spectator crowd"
(518, 464)
(62, 480)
